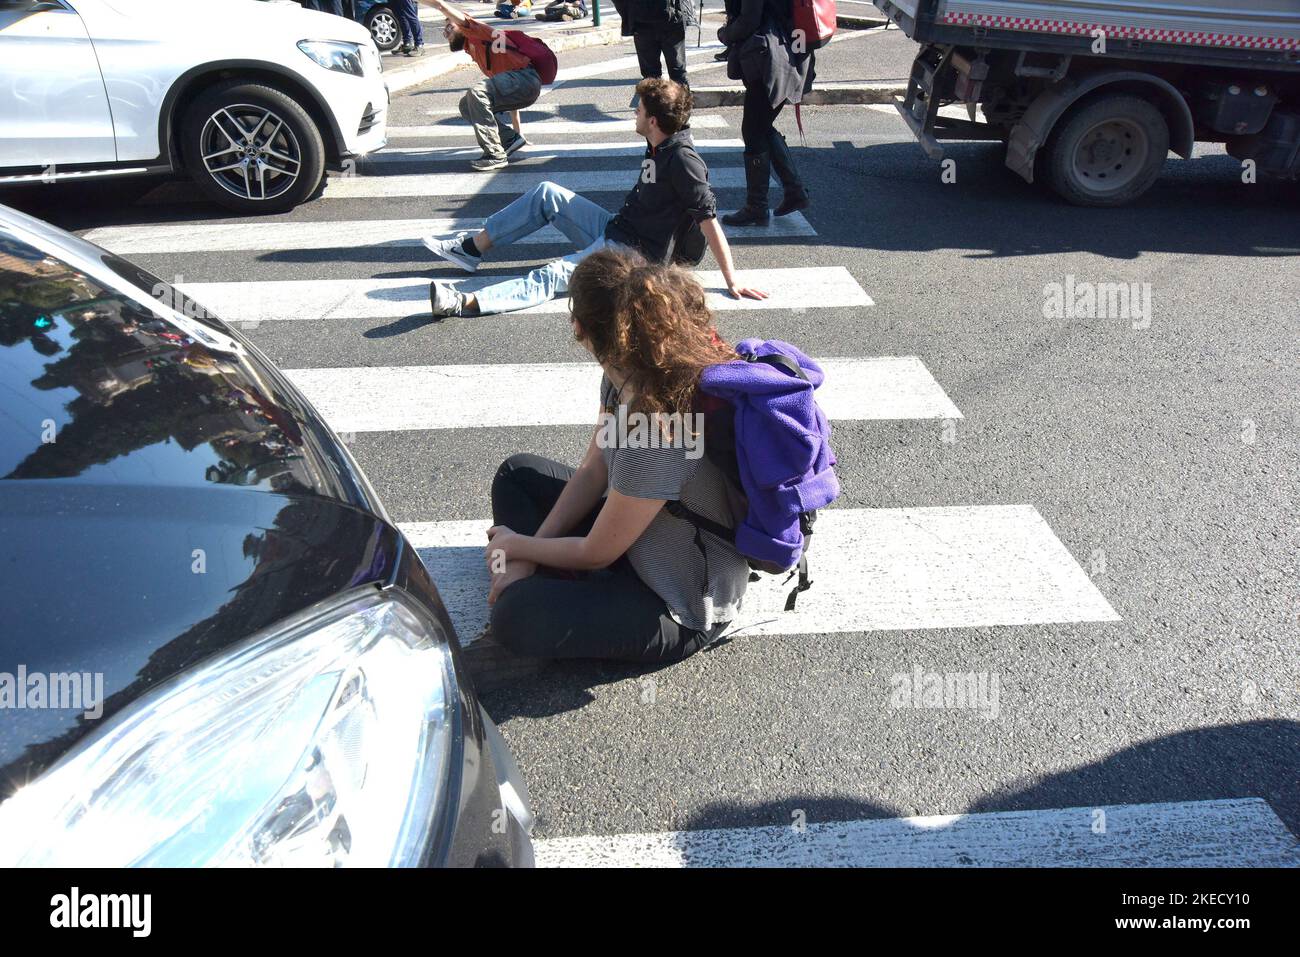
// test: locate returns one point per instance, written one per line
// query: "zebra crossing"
(974, 565)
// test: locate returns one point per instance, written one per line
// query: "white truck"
(1091, 96)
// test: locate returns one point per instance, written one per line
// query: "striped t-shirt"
(700, 588)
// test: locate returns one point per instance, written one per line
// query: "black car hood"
(138, 583)
(165, 492)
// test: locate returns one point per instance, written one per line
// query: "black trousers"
(760, 135)
(608, 613)
(652, 39)
(758, 119)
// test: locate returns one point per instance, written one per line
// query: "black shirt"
(673, 183)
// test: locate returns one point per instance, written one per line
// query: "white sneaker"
(445, 300)
(452, 250)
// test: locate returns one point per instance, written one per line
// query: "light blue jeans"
(581, 220)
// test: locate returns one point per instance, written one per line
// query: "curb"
(431, 66)
(830, 95)
(860, 23)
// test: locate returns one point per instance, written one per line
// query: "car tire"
(1107, 151)
(382, 24)
(286, 148)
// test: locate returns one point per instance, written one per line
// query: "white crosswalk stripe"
(404, 398)
(1225, 833)
(977, 566)
(300, 300)
(352, 234)
(407, 155)
(510, 181)
(548, 127)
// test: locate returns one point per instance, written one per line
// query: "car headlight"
(335, 55)
(322, 742)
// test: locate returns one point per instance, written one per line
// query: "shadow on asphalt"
(1199, 207)
(1256, 759)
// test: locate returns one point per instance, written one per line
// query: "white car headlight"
(322, 742)
(337, 55)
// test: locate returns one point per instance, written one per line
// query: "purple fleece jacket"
(782, 447)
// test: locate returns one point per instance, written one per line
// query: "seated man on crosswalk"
(672, 186)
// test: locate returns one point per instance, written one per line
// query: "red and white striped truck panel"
(1242, 24)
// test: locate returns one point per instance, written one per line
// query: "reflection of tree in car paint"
(138, 382)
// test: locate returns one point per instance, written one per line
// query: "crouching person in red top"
(510, 82)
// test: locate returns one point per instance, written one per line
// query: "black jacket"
(633, 12)
(761, 54)
(670, 192)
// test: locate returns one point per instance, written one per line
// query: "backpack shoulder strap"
(782, 361)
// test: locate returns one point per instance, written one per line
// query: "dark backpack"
(686, 248)
(770, 440)
(538, 53)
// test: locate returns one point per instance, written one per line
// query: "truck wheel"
(382, 25)
(1109, 151)
(252, 148)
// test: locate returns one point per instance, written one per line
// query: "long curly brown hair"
(650, 323)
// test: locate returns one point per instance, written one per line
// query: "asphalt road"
(1164, 458)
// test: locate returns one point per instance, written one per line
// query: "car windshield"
(96, 385)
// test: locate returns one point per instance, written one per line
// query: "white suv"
(253, 100)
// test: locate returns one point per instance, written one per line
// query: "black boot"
(796, 197)
(758, 170)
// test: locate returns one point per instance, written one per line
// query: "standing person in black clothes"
(732, 9)
(776, 70)
(658, 27)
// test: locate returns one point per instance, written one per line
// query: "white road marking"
(549, 127)
(407, 398)
(537, 151)
(619, 64)
(1242, 832)
(511, 181)
(353, 234)
(888, 569)
(312, 300)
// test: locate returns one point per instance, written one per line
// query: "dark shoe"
(493, 667)
(758, 170)
(793, 201)
(405, 48)
(747, 216)
(796, 197)
(722, 54)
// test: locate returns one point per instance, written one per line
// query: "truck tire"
(252, 148)
(1107, 151)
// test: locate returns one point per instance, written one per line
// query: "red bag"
(539, 54)
(816, 18)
